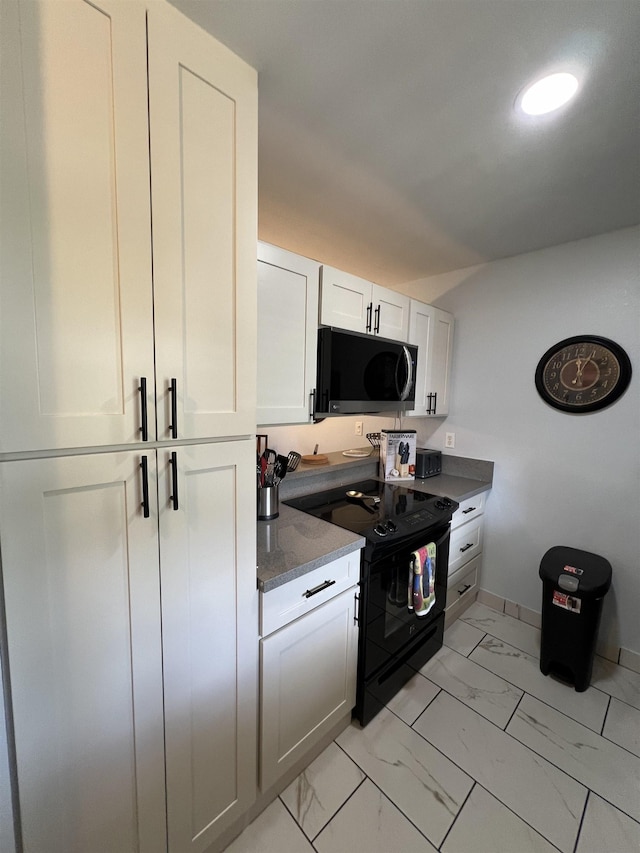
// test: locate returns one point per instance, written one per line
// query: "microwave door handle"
(407, 386)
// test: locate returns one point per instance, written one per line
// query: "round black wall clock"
(583, 374)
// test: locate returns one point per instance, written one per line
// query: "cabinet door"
(390, 314)
(308, 682)
(82, 598)
(440, 365)
(287, 335)
(345, 301)
(203, 121)
(421, 334)
(210, 637)
(432, 330)
(76, 322)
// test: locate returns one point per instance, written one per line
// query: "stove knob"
(439, 505)
(447, 502)
(380, 530)
(391, 527)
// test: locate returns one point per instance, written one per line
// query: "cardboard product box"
(398, 454)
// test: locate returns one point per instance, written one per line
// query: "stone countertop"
(295, 543)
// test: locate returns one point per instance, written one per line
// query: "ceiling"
(388, 142)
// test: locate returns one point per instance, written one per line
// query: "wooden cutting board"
(316, 459)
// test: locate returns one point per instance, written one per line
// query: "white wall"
(559, 479)
(332, 434)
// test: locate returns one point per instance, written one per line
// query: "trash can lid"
(592, 572)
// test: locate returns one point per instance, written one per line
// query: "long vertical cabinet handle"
(145, 486)
(174, 480)
(144, 427)
(376, 327)
(173, 426)
(369, 310)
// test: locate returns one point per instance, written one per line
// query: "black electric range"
(401, 526)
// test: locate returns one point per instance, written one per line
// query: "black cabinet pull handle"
(145, 486)
(470, 509)
(317, 589)
(142, 388)
(369, 310)
(432, 399)
(466, 547)
(356, 612)
(376, 328)
(174, 480)
(173, 426)
(464, 589)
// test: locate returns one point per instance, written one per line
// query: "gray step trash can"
(574, 584)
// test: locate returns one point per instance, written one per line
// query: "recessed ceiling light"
(548, 94)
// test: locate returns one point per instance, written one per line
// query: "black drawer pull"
(173, 426)
(145, 486)
(174, 480)
(464, 589)
(470, 509)
(466, 547)
(142, 388)
(318, 588)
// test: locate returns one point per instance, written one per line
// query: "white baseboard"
(617, 654)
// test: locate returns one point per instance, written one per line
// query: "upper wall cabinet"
(77, 325)
(203, 128)
(287, 340)
(431, 329)
(349, 302)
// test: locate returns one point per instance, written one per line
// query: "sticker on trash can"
(567, 602)
(573, 570)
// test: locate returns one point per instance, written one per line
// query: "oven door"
(390, 623)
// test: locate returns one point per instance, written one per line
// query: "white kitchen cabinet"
(82, 601)
(77, 312)
(203, 111)
(308, 662)
(465, 555)
(349, 302)
(132, 641)
(431, 329)
(77, 331)
(209, 637)
(91, 646)
(287, 335)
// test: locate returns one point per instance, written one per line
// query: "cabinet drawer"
(291, 600)
(463, 583)
(468, 509)
(466, 543)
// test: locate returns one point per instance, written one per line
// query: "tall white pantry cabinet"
(127, 420)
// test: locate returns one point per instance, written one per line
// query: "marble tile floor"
(479, 753)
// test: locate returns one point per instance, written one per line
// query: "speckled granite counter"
(295, 543)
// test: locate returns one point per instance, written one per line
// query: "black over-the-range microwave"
(360, 374)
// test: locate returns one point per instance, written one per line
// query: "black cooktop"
(387, 512)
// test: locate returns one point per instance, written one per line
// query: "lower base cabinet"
(131, 646)
(308, 682)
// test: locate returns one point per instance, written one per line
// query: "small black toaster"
(428, 462)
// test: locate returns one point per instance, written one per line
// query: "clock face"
(583, 374)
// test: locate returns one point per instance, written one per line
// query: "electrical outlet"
(358, 427)
(449, 439)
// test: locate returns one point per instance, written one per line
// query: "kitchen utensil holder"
(268, 503)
